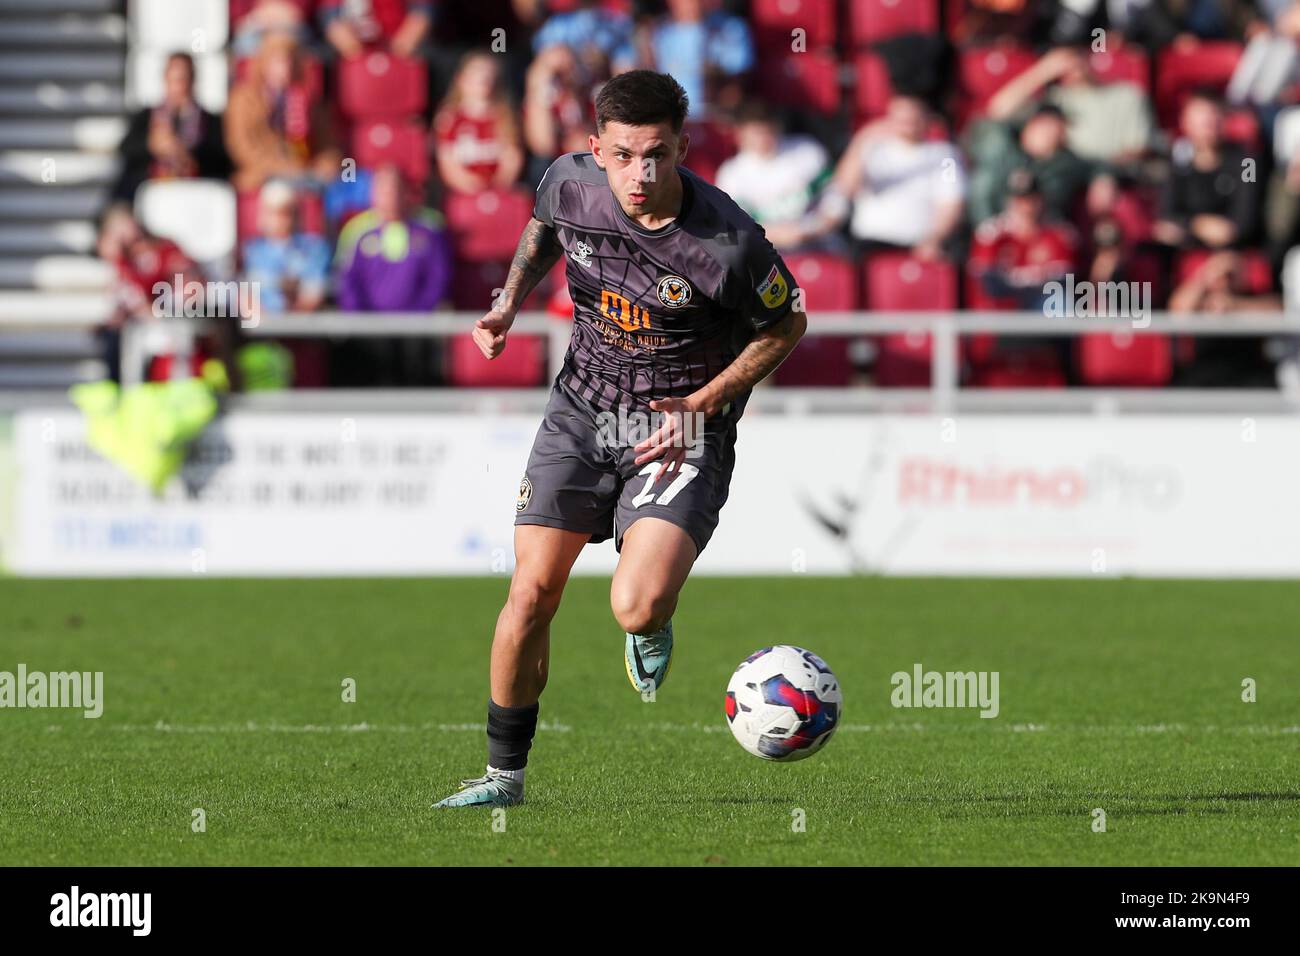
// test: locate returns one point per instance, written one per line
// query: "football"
(783, 703)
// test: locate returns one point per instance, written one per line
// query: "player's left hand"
(673, 438)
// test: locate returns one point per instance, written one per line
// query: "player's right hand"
(490, 333)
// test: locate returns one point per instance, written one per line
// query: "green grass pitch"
(226, 696)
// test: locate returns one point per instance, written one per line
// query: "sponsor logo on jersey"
(773, 289)
(581, 254)
(624, 313)
(525, 494)
(674, 291)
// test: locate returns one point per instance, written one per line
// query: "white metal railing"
(139, 340)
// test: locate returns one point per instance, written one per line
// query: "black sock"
(510, 733)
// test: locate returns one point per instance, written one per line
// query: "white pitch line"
(972, 726)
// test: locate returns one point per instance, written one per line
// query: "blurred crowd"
(994, 145)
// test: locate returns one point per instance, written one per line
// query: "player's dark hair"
(642, 98)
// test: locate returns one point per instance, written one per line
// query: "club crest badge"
(525, 494)
(674, 291)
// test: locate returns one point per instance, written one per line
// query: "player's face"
(640, 162)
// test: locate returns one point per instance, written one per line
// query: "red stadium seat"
(1241, 126)
(521, 365)
(809, 81)
(402, 142)
(1257, 273)
(773, 22)
(377, 84)
(982, 71)
(1182, 69)
(712, 144)
(819, 361)
(871, 21)
(1027, 369)
(486, 226)
(829, 285)
(897, 282)
(827, 280)
(872, 87)
(1124, 359)
(1124, 64)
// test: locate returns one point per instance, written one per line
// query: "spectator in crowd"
(393, 258)
(592, 33)
(1268, 64)
(1207, 200)
(1105, 122)
(906, 190)
(291, 267)
(706, 50)
(1041, 146)
(773, 177)
(980, 22)
(265, 17)
(1284, 188)
(1144, 22)
(1220, 286)
(354, 26)
(274, 127)
(1015, 254)
(475, 133)
(176, 139)
(559, 110)
(142, 263)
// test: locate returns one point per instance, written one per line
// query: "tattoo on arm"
(539, 248)
(759, 358)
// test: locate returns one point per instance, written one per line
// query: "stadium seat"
(1020, 369)
(196, 214)
(827, 280)
(897, 282)
(475, 284)
(241, 8)
(1256, 269)
(402, 142)
(144, 79)
(378, 85)
(871, 88)
(1125, 64)
(829, 284)
(982, 71)
(521, 365)
(1180, 70)
(818, 361)
(1241, 126)
(773, 22)
(809, 81)
(712, 144)
(168, 25)
(486, 226)
(1124, 359)
(871, 21)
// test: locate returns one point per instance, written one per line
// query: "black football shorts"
(582, 476)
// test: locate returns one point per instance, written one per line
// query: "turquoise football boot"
(489, 790)
(648, 659)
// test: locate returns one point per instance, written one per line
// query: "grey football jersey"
(657, 313)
